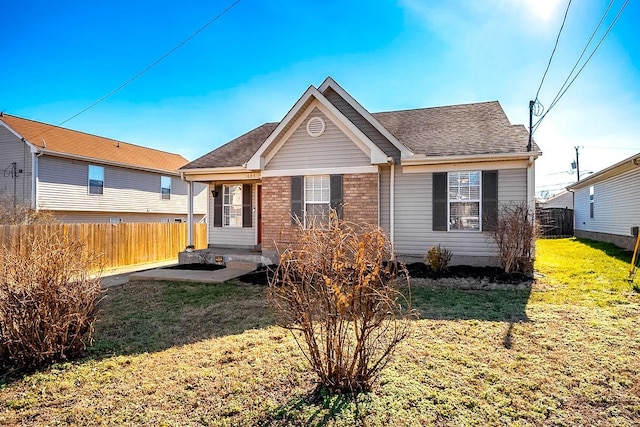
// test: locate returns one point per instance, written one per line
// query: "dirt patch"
(196, 266)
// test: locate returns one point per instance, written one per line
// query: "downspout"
(392, 209)
(531, 192)
(189, 210)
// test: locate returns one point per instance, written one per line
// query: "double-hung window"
(165, 187)
(317, 199)
(232, 205)
(464, 201)
(96, 179)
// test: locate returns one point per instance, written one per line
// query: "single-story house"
(562, 200)
(83, 178)
(427, 176)
(607, 204)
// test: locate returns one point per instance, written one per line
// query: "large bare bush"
(514, 231)
(47, 302)
(337, 294)
(16, 212)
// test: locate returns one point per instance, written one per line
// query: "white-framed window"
(592, 197)
(165, 187)
(96, 179)
(115, 220)
(464, 190)
(232, 205)
(317, 199)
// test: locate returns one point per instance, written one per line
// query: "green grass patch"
(564, 352)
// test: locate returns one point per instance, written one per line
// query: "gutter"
(421, 159)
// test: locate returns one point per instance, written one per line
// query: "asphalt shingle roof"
(467, 129)
(64, 141)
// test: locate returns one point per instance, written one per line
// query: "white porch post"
(190, 213)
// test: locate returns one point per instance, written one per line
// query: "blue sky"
(252, 64)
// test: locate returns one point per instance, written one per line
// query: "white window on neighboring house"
(591, 200)
(165, 187)
(464, 201)
(317, 199)
(115, 220)
(96, 179)
(232, 205)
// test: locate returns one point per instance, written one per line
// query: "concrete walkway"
(156, 272)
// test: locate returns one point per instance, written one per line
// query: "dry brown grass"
(553, 355)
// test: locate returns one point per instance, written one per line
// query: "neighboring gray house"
(83, 178)
(607, 203)
(562, 200)
(426, 176)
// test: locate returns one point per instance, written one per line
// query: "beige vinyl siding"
(616, 205)
(332, 149)
(200, 198)
(105, 217)
(233, 236)
(63, 185)
(413, 215)
(367, 128)
(12, 149)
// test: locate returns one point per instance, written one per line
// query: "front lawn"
(565, 352)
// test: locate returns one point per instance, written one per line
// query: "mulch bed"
(196, 266)
(463, 276)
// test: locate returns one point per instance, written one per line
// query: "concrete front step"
(241, 265)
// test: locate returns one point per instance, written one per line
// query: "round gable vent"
(315, 126)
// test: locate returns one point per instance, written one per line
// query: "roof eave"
(106, 162)
(613, 170)
(421, 159)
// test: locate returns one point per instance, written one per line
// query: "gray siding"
(12, 149)
(233, 236)
(413, 222)
(330, 150)
(364, 125)
(616, 205)
(63, 186)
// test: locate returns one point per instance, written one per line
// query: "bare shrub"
(47, 302)
(16, 212)
(337, 294)
(438, 258)
(515, 231)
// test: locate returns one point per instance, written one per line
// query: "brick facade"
(360, 199)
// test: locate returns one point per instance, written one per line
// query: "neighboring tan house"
(83, 178)
(607, 204)
(426, 176)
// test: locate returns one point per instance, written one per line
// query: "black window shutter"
(336, 194)
(217, 206)
(246, 205)
(489, 199)
(297, 199)
(440, 201)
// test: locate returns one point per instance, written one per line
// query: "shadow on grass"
(152, 316)
(316, 409)
(609, 249)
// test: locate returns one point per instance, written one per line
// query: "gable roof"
(64, 142)
(459, 130)
(467, 129)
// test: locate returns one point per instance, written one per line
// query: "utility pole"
(531, 104)
(577, 162)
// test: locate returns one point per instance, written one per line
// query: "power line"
(554, 49)
(564, 89)
(153, 64)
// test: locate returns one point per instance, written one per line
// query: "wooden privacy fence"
(555, 222)
(118, 245)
